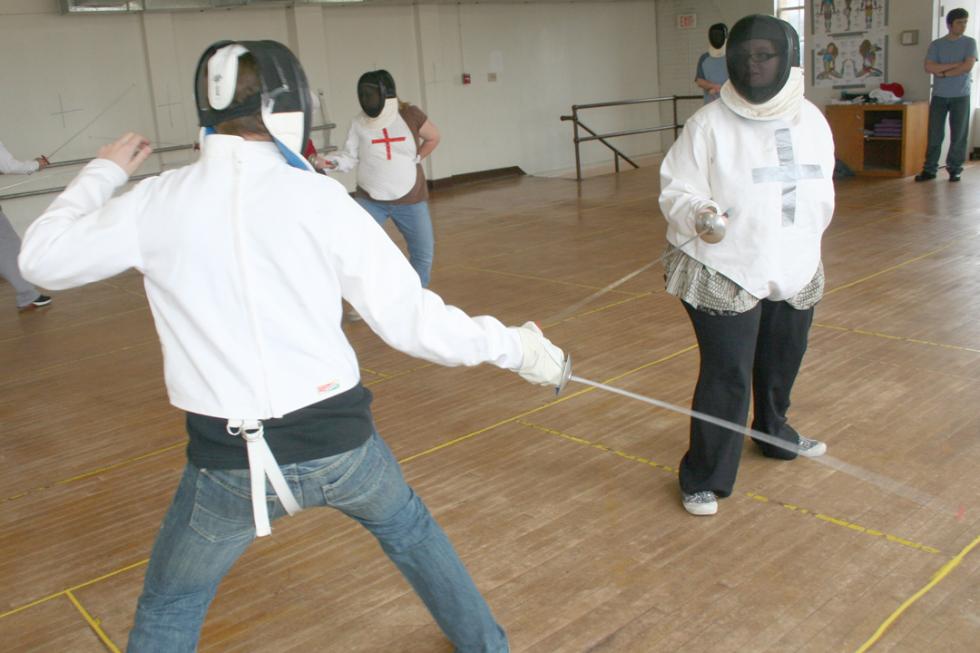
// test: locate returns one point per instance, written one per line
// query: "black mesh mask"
(373, 89)
(761, 52)
(717, 34)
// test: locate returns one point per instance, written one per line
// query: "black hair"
(956, 14)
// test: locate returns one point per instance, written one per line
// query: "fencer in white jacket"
(246, 255)
(753, 174)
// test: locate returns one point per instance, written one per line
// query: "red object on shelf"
(895, 88)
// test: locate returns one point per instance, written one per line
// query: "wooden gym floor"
(566, 511)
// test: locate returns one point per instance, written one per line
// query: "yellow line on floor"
(599, 446)
(45, 599)
(97, 471)
(555, 402)
(598, 309)
(93, 623)
(397, 375)
(384, 375)
(757, 497)
(532, 277)
(843, 523)
(888, 336)
(944, 571)
(889, 269)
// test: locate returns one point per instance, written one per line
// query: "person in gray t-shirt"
(950, 61)
(712, 70)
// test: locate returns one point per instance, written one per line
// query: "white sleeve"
(346, 159)
(684, 185)
(84, 236)
(378, 281)
(9, 165)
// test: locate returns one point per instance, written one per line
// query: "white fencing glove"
(544, 363)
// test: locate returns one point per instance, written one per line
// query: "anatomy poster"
(849, 59)
(844, 16)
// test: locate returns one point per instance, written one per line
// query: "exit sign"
(687, 21)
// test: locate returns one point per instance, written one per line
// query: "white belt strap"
(261, 462)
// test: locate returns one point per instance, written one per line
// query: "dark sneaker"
(925, 176)
(42, 300)
(701, 503)
(955, 177)
(811, 448)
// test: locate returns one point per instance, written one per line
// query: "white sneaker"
(353, 316)
(701, 503)
(811, 448)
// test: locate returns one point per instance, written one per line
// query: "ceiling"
(115, 6)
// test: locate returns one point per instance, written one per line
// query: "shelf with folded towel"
(880, 139)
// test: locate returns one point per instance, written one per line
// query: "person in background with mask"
(752, 174)
(387, 143)
(712, 71)
(246, 255)
(27, 296)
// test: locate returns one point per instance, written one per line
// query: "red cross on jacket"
(387, 140)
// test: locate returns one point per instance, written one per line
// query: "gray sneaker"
(811, 448)
(701, 503)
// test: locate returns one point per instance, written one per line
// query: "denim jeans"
(958, 109)
(209, 525)
(415, 224)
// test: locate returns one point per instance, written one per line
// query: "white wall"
(546, 56)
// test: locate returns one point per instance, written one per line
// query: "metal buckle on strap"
(262, 463)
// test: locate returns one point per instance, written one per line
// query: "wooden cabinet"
(887, 140)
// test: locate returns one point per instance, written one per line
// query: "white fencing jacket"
(772, 173)
(384, 151)
(245, 261)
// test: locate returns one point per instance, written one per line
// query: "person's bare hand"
(129, 152)
(42, 162)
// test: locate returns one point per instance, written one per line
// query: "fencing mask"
(282, 99)
(717, 34)
(373, 89)
(761, 51)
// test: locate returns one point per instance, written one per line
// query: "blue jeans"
(958, 109)
(415, 224)
(209, 525)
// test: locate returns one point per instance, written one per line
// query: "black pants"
(757, 352)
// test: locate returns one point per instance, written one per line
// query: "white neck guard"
(384, 119)
(716, 52)
(785, 105)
